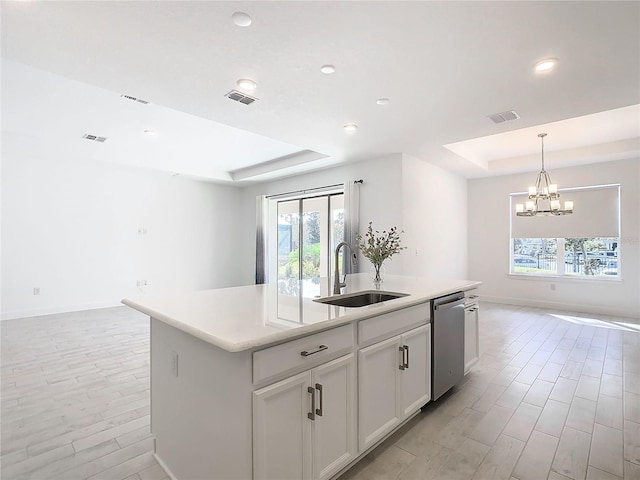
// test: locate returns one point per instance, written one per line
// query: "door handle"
(319, 388)
(406, 349)
(312, 414)
(304, 353)
(402, 363)
(447, 306)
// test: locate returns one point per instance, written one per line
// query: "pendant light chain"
(545, 191)
(542, 135)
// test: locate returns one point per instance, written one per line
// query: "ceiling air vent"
(240, 97)
(503, 116)
(134, 99)
(95, 138)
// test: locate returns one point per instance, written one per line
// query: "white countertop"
(249, 317)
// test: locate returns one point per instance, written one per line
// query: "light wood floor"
(75, 397)
(555, 395)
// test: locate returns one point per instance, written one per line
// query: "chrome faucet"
(337, 284)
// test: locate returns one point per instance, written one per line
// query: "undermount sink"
(360, 299)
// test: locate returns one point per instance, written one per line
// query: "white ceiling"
(59, 111)
(609, 135)
(444, 65)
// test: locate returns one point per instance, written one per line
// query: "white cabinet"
(378, 407)
(471, 338)
(304, 427)
(394, 381)
(281, 430)
(416, 377)
(334, 431)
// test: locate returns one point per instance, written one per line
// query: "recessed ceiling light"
(327, 69)
(546, 65)
(350, 128)
(382, 101)
(247, 84)
(151, 132)
(241, 19)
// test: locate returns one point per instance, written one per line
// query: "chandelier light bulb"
(543, 197)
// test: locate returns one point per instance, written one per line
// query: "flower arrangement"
(377, 247)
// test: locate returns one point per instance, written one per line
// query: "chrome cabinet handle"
(319, 388)
(406, 349)
(402, 364)
(312, 414)
(304, 353)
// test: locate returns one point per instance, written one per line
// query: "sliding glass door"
(309, 229)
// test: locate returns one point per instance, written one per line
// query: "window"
(578, 257)
(584, 244)
(308, 230)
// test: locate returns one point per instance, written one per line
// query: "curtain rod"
(312, 189)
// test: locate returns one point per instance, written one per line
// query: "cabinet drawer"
(471, 297)
(384, 326)
(301, 354)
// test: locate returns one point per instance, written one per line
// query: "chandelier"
(544, 196)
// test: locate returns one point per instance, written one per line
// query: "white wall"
(435, 215)
(70, 227)
(489, 244)
(380, 198)
(397, 191)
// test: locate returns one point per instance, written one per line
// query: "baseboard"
(164, 467)
(569, 307)
(38, 312)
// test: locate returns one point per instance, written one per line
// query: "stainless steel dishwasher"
(447, 343)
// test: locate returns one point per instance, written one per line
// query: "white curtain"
(351, 220)
(261, 239)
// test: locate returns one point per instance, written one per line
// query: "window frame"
(560, 241)
(560, 261)
(272, 224)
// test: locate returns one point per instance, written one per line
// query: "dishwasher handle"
(447, 306)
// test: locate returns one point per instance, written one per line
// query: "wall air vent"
(95, 138)
(503, 116)
(134, 99)
(240, 97)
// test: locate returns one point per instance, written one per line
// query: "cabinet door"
(471, 341)
(415, 379)
(282, 430)
(379, 408)
(334, 429)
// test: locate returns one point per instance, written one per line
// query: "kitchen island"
(247, 382)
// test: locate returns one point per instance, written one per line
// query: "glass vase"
(377, 275)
